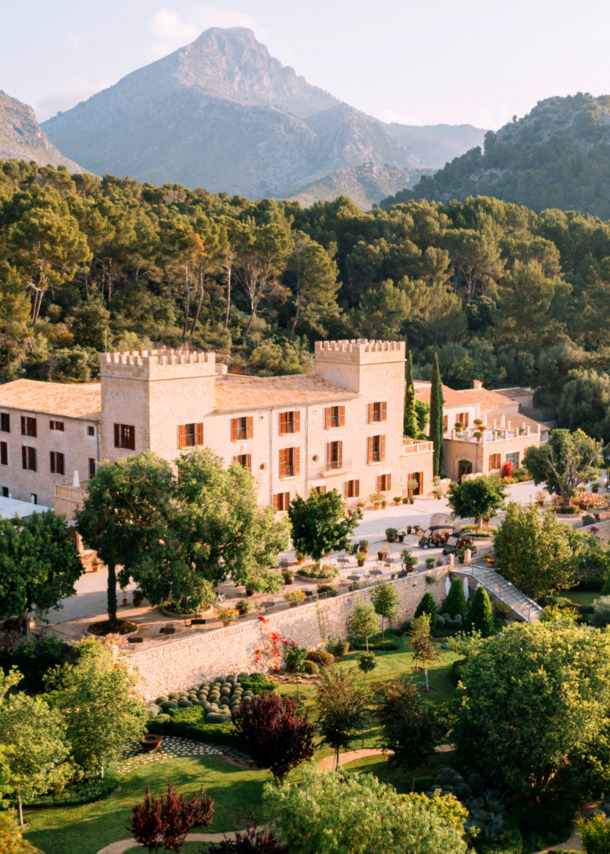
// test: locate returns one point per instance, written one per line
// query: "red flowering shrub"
(507, 470)
(165, 822)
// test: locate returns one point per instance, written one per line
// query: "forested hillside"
(503, 294)
(557, 156)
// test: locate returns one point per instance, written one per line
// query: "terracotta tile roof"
(487, 398)
(240, 392)
(81, 400)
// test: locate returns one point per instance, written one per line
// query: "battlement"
(360, 351)
(158, 364)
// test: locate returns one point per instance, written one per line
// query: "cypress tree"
(410, 417)
(480, 617)
(427, 605)
(454, 602)
(436, 416)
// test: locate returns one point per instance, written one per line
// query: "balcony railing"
(413, 446)
(331, 467)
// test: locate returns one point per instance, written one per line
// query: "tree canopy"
(565, 462)
(477, 498)
(321, 523)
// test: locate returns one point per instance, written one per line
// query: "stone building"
(483, 430)
(340, 427)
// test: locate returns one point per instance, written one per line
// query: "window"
(334, 455)
(125, 436)
(28, 458)
(244, 460)
(319, 490)
(5, 492)
(384, 483)
(290, 422)
(57, 463)
(33, 498)
(335, 416)
(290, 462)
(415, 483)
(5, 422)
(92, 468)
(190, 435)
(3, 453)
(376, 449)
(513, 458)
(495, 461)
(242, 428)
(377, 412)
(281, 500)
(57, 425)
(352, 489)
(28, 426)
(90, 430)
(463, 418)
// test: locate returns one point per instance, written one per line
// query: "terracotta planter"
(376, 506)
(360, 563)
(150, 742)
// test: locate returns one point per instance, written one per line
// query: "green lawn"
(581, 597)
(401, 780)
(86, 829)
(237, 793)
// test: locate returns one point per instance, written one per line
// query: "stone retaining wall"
(177, 665)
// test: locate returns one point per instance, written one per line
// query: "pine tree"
(436, 415)
(410, 417)
(454, 602)
(427, 605)
(480, 617)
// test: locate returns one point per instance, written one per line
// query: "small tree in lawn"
(35, 751)
(341, 708)
(424, 649)
(100, 706)
(454, 602)
(275, 733)
(11, 840)
(408, 725)
(477, 498)
(295, 657)
(427, 605)
(568, 460)
(364, 622)
(321, 523)
(385, 601)
(480, 615)
(367, 661)
(165, 822)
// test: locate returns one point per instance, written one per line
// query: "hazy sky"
(414, 61)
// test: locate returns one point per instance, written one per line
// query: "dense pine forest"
(500, 293)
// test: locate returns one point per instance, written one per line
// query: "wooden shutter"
(379, 483)
(234, 423)
(382, 449)
(420, 482)
(297, 422)
(282, 423)
(132, 439)
(328, 444)
(199, 433)
(276, 501)
(249, 462)
(371, 409)
(23, 425)
(250, 427)
(388, 482)
(356, 489)
(369, 446)
(282, 463)
(342, 416)
(181, 436)
(327, 416)
(117, 436)
(3, 453)
(339, 454)
(384, 411)
(445, 423)
(296, 461)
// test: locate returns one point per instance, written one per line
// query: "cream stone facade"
(340, 427)
(501, 433)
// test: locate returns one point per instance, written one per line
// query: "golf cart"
(438, 531)
(457, 541)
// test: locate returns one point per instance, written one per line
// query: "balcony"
(335, 467)
(415, 446)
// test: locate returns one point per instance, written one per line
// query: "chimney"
(477, 384)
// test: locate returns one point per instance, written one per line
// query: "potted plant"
(227, 615)
(391, 534)
(300, 557)
(361, 558)
(416, 529)
(401, 536)
(478, 435)
(382, 553)
(411, 499)
(439, 560)
(242, 607)
(397, 499)
(406, 499)
(288, 576)
(363, 546)
(409, 529)
(294, 597)
(540, 498)
(478, 422)
(408, 560)
(430, 561)
(595, 488)
(138, 596)
(376, 500)
(459, 426)
(384, 503)
(437, 494)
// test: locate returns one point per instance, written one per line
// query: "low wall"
(178, 665)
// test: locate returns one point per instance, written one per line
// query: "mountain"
(557, 156)
(436, 145)
(223, 114)
(22, 139)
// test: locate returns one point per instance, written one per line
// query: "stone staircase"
(502, 589)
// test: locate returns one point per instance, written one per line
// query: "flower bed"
(316, 572)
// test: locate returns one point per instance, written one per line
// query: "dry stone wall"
(177, 665)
